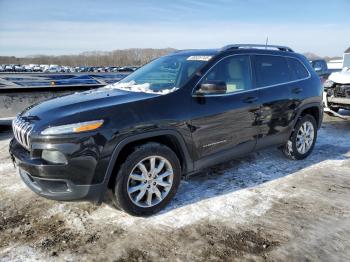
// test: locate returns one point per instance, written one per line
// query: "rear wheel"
(147, 180)
(302, 141)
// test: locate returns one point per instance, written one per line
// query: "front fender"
(188, 160)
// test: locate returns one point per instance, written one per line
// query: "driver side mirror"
(212, 87)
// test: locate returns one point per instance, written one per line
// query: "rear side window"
(321, 65)
(271, 70)
(298, 69)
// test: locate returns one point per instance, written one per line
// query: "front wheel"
(303, 139)
(147, 180)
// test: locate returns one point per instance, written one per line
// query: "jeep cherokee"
(174, 116)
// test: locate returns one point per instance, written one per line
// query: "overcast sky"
(70, 27)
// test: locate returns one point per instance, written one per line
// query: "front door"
(225, 124)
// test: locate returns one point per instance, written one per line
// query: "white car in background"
(28, 68)
(44, 67)
(37, 68)
(337, 91)
(53, 69)
(19, 68)
(9, 68)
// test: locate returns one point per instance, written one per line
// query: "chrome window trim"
(253, 89)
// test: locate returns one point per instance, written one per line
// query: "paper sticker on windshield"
(199, 58)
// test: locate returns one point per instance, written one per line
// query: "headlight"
(73, 128)
(328, 83)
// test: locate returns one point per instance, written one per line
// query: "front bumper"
(58, 182)
(339, 101)
(337, 96)
(59, 189)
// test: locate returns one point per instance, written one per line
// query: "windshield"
(163, 75)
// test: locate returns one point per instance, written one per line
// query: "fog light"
(53, 156)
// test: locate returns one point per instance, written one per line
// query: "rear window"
(298, 69)
(271, 70)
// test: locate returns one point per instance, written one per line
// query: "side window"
(317, 66)
(235, 71)
(298, 69)
(320, 66)
(271, 70)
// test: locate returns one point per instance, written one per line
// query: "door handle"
(250, 99)
(297, 90)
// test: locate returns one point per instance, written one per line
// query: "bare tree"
(124, 57)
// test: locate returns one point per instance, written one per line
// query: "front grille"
(21, 131)
(342, 91)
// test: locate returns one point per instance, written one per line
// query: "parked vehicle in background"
(9, 68)
(321, 68)
(100, 69)
(44, 67)
(114, 68)
(66, 69)
(31, 67)
(2, 68)
(54, 69)
(125, 69)
(18, 68)
(27, 68)
(337, 91)
(131, 138)
(82, 69)
(37, 68)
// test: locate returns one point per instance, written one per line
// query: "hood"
(80, 102)
(342, 77)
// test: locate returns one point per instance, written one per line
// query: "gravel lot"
(261, 207)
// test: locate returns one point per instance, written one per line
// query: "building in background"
(346, 58)
(339, 64)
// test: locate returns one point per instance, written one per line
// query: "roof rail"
(238, 46)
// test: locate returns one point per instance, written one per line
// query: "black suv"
(176, 115)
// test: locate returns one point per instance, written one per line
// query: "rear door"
(274, 81)
(225, 124)
(298, 86)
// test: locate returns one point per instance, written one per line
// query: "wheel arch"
(170, 138)
(314, 109)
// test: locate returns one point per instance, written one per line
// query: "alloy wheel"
(305, 137)
(150, 181)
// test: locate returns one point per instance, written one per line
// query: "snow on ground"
(209, 194)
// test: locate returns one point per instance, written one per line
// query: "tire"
(291, 149)
(136, 173)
